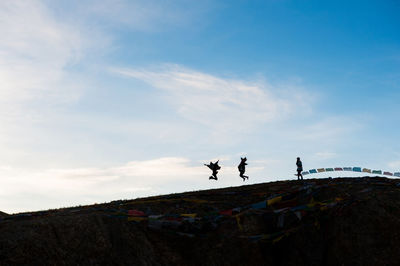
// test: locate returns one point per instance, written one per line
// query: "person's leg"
(215, 172)
(241, 175)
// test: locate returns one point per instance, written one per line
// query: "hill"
(342, 221)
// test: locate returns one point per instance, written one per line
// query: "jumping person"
(214, 168)
(242, 168)
(299, 165)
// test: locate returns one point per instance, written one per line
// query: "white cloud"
(24, 190)
(394, 165)
(150, 15)
(34, 51)
(325, 155)
(225, 105)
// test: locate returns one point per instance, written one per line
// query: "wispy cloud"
(223, 104)
(325, 155)
(134, 15)
(34, 51)
(394, 165)
(53, 188)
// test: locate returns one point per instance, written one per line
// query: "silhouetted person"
(299, 168)
(242, 168)
(214, 168)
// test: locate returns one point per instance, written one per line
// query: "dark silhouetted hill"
(343, 221)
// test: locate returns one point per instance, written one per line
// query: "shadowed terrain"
(342, 221)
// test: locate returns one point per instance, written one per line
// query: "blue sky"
(105, 100)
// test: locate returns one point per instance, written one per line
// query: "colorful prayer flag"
(259, 205)
(379, 172)
(329, 169)
(226, 212)
(397, 174)
(347, 169)
(305, 173)
(136, 213)
(136, 219)
(388, 173)
(313, 171)
(320, 170)
(356, 169)
(274, 200)
(338, 169)
(191, 215)
(365, 170)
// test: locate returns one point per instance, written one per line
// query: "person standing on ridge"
(299, 165)
(242, 168)
(214, 168)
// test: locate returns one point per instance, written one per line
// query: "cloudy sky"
(117, 99)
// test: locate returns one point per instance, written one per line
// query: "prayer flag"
(238, 222)
(329, 169)
(305, 173)
(397, 174)
(347, 169)
(320, 170)
(136, 213)
(259, 205)
(226, 212)
(274, 200)
(356, 169)
(338, 169)
(379, 172)
(155, 216)
(365, 170)
(388, 173)
(313, 171)
(281, 220)
(237, 209)
(191, 215)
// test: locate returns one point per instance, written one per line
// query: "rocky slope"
(343, 221)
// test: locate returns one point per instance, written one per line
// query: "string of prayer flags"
(353, 169)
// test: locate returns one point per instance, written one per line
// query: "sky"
(118, 99)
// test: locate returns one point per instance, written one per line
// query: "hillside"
(342, 221)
